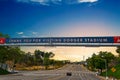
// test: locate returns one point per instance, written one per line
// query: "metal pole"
(83, 58)
(106, 69)
(44, 61)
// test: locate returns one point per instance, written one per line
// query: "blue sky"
(38, 18)
(34, 18)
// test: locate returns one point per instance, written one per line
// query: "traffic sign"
(113, 69)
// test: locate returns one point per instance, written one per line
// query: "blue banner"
(61, 40)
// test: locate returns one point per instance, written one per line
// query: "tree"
(98, 61)
(118, 50)
(3, 49)
(28, 59)
(3, 54)
(47, 57)
(14, 54)
(89, 65)
(9, 53)
(43, 57)
(4, 35)
(39, 55)
(108, 56)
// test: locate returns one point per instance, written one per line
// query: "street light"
(106, 68)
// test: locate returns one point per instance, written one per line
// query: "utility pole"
(83, 58)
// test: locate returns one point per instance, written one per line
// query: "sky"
(51, 18)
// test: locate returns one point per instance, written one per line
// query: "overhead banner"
(61, 40)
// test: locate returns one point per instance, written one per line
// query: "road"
(78, 73)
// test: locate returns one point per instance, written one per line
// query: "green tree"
(3, 49)
(47, 57)
(108, 56)
(3, 54)
(4, 35)
(39, 55)
(14, 54)
(99, 61)
(91, 62)
(118, 50)
(9, 53)
(28, 59)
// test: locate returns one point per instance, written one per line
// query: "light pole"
(106, 68)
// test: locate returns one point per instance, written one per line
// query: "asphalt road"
(78, 73)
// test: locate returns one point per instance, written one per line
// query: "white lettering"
(1, 41)
(118, 40)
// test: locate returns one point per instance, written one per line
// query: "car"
(68, 74)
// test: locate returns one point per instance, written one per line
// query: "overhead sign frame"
(62, 41)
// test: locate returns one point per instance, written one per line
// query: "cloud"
(24, 36)
(84, 1)
(23, 1)
(34, 33)
(42, 2)
(57, 2)
(20, 33)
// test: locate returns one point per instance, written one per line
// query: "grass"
(115, 74)
(32, 68)
(3, 72)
